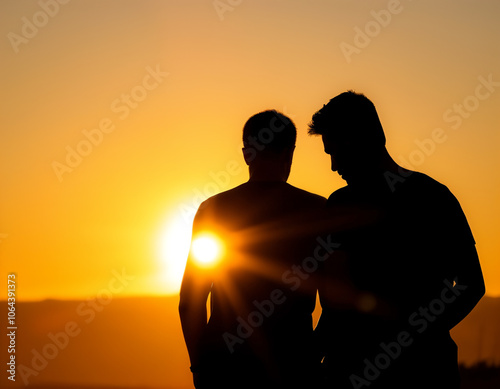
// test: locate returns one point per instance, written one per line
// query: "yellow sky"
(163, 88)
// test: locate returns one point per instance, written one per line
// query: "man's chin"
(351, 179)
(344, 176)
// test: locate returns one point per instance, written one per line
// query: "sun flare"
(175, 246)
(206, 249)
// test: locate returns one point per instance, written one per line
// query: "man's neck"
(376, 177)
(264, 177)
(269, 173)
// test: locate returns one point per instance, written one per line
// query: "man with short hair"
(259, 334)
(416, 270)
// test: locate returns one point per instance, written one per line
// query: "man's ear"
(249, 154)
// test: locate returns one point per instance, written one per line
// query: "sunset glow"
(129, 120)
(119, 118)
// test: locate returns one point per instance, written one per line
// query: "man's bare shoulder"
(312, 198)
(208, 206)
(254, 196)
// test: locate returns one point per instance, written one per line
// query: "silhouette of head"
(269, 141)
(352, 135)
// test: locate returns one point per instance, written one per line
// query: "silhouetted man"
(259, 334)
(415, 271)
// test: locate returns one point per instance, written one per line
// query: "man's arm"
(195, 288)
(193, 312)
(464, 269)
(469, 286)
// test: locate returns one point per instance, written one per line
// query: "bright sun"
(206, 249)
(174, 245)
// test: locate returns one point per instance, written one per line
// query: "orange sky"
(163, 88)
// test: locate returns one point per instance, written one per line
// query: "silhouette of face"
(350, 159)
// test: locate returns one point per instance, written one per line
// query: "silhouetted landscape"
(480, 376)
(136, 343)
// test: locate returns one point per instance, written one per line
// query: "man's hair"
(349, 116)
(269, 132)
